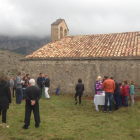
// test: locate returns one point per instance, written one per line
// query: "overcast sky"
(34, 17)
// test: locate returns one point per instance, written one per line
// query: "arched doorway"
(65, 32)
(61, 32)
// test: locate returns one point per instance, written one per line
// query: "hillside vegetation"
(9, 63)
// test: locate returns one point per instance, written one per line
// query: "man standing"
(47, 85)
(109, 87)
(40, 81)
(32, 96)
(117, 93)
(11, 86)
(19, 91)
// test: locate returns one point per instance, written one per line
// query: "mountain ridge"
(22, 44)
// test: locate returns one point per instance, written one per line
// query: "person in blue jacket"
(57, 90)
(40, 82)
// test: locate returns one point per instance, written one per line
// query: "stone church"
(67, 58)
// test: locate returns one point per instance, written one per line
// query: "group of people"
(115, 91)
(25, 89)
(18, 85)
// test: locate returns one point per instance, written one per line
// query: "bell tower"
(59, 30)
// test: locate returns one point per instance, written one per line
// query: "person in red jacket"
(125, 93)
(109, 87)
(122, 97)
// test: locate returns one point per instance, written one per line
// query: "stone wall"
(66, 73)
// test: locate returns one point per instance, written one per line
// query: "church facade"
(68, 58)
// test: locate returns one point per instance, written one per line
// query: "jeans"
(19, 94)
(120, 101)
(41, 87)
(110, 97)
(125, 101)
(14, 89)
(3, 112)
(23, 97)
(117, 97)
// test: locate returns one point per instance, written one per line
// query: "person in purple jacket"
(98, 85)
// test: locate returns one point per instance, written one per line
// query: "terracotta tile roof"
(101, 45)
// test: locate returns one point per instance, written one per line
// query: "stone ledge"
(80, 58)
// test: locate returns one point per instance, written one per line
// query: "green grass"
(62, 120)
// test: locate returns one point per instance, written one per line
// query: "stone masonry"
(59, 30)
(66, 72)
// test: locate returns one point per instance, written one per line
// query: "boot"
(5, 125)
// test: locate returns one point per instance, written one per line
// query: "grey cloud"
(34, 17)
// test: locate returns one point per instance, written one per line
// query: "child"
(98, 85)
(125, 93)
(57, 90)
(79, 91)
(122, 97)
(131, 92)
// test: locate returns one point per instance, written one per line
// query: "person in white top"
(47, 85)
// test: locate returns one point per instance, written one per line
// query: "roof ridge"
(100, 45)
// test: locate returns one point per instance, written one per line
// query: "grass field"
(62, 120)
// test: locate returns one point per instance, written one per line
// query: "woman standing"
(98, 85)
(5, 99)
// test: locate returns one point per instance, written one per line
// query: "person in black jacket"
(40, 82)
(5, 99)
(47, 85)
(117, 93)
(79, 91)
(24, 86)
(32, 96)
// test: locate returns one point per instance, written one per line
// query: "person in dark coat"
(28, 78)
(24, 86)
(79, 91)
(40, 81)
(117, 93)
(14, 88)
(32, 96)
(5, 99)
